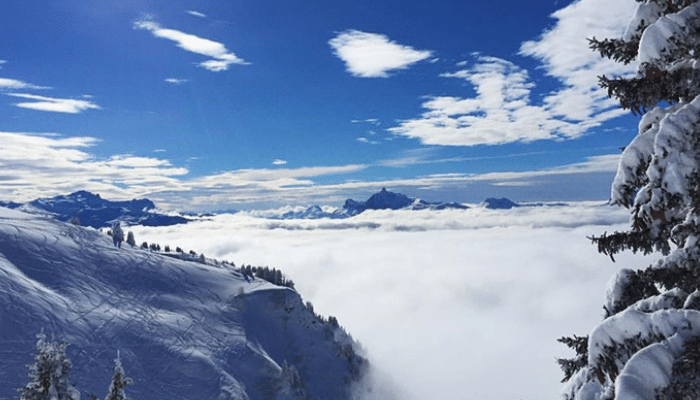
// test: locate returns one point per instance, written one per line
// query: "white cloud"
(476, 294)
(373, 121)
(502, 110)
(565, 55)
(37, 165)
(372, 55)
(2, 62)
(196, 13)
(221, 58)
(52, 104)
(365, 140)
(176, 81)
(278, 162)
(6, 83)
(604, 163)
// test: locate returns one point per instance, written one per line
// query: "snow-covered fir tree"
(119, 382)
(49, 374)
(647, 345)
(117, 234)
(130, 240)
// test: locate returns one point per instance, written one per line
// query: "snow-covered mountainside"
(185, 330)
(92, 210)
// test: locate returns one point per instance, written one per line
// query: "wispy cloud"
(176, 81)
(504, 112)
(52, 104)
(6, 83)
(196, 13)
(277, 187)
(36, 165)
(2, 62)
(372, 55)
(221, 58)
(365, 140)
(410, 157)
(605, 163)
(372, 121)
(278, 162)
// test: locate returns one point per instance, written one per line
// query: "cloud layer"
(372, 55)
(442, 307)
(221, 58)
(503, 110)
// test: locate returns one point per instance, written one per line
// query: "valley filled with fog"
(447, 304)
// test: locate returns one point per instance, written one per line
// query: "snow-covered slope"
(185, 330)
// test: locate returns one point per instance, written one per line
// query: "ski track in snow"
(184, 329)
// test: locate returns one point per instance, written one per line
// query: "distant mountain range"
(383, 200)
(386, 200)
(91, 210)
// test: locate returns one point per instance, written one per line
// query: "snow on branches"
(646, 347)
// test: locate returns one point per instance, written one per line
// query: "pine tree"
(130, 240)
(648, 340)
(49, 375)
(117, 234)
(119, 382)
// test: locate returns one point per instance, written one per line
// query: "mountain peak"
(385, 199)
(84, 193)
(499, 204)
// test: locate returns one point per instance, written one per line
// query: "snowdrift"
(185, 330)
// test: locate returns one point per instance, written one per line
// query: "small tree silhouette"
(119, 382)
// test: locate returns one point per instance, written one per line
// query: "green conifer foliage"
(651, 314)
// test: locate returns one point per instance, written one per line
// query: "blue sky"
(212, 105)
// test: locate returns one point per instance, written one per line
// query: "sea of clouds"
(448, 304)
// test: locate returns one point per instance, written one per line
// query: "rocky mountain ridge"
(90, 209)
